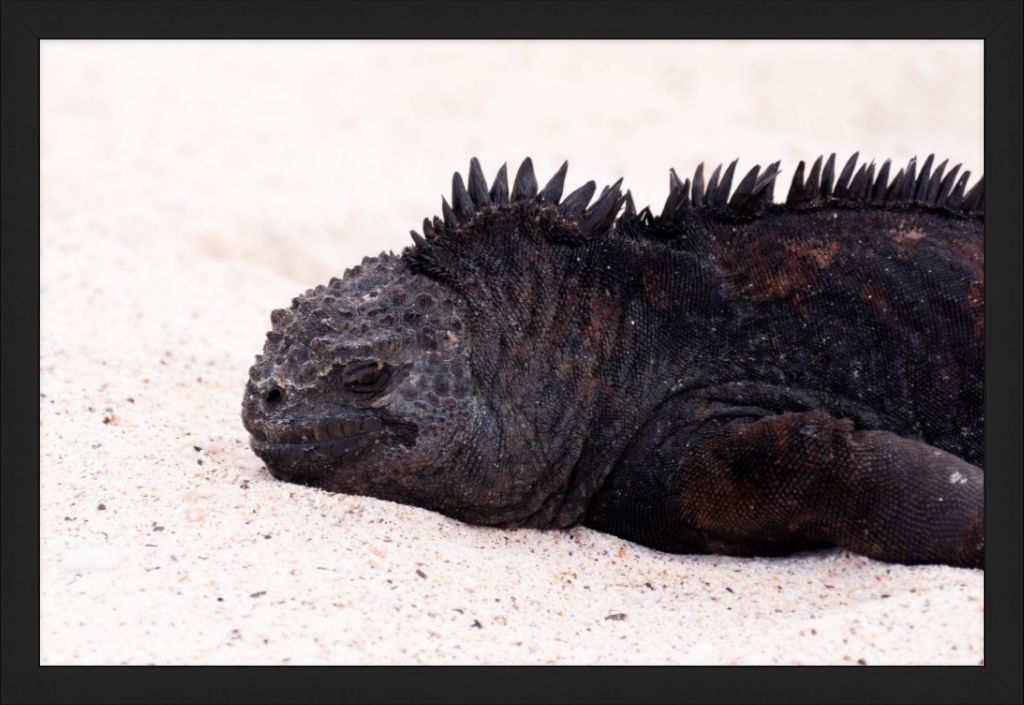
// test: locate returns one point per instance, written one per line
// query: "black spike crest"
(844, 177)
(473, 197)
(853, 187)
(928, 188)
(752, 195)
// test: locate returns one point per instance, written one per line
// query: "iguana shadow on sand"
(731, 376)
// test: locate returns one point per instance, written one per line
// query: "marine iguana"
(732, 376)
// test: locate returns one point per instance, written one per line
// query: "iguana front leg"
(792, 481)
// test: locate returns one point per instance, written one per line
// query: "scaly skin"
(743, 378)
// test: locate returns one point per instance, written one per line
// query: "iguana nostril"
(274, 396)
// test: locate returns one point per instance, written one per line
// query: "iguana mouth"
(340, 448)
(336, 438)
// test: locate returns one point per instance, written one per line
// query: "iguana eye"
(365, 376)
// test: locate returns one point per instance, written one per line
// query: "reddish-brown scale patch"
(969, 250)
(744, 494)
(656, 291)
(875, 295)
(906, 236)
(605, 322)
(910, 236)
(975, 303)
(760, 275)
(823, 253)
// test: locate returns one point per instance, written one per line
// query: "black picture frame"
(26, 22)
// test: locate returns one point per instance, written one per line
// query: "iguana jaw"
(338, 450)
(338, 439)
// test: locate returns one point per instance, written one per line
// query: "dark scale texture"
(731, 376)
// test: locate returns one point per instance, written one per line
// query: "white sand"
(189, 188)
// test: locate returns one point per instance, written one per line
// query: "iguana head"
(430, 379)
(364, 385)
